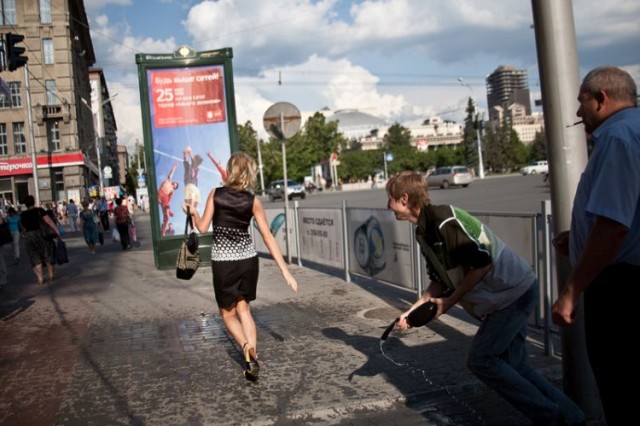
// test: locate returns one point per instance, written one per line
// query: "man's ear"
(404, 199)
(600, 97)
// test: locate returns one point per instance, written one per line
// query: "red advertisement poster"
(188, 97)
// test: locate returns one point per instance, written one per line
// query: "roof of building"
(353, 118)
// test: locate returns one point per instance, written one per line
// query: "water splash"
(388, 357)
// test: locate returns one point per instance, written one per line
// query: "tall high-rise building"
(506, 86)
(55, 112)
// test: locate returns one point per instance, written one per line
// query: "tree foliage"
(319, 138)
(502, 150)
(537, 148)
(470, 139)
(397, 136)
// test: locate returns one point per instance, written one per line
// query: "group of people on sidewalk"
(41, 229)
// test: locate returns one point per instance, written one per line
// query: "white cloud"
(392, 58)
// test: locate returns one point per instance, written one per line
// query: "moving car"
(537, 167)
(294, 189)
(447, 176)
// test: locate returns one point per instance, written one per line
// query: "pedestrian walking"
(234, 261)
(72, 213)
(90, 224)
(103, 212)
(603, 242)
(50, 242)
(16, 232)
(30, 220)
(492, 283)
(123, 219)
(3, 240)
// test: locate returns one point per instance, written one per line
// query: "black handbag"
(5, 234)
(189, 255)
(61, 252)
(47, 233)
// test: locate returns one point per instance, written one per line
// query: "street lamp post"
(477, 115)
(94, 113)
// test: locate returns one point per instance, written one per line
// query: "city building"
(48, 114)
(525, 126)
(506, 86)
(356, 126)
(434, 133)
(369, 131)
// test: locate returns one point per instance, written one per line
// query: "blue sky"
(397, 59)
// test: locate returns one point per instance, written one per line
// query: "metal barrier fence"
(372, 243)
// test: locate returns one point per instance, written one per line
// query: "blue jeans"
(498, 357)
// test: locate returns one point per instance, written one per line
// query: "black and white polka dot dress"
(234, 261)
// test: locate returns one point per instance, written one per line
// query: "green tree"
(248, 142)
(358, 165)
(537, 148)
(503, 151)
(397, 136)
(470, 139)
(312, 145)
(248, 139)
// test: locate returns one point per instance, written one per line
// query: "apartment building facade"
(54, 114)
(506, 86)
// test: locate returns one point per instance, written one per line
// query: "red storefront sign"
(23, 165)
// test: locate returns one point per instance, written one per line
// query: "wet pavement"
(114, 341)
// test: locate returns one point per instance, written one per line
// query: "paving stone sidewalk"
(114, 341)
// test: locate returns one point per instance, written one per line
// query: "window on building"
(4, 100)
(53, 135)
(45, 11)
(58, 184)
(16, 95)
(4, 148)
(47, 51)
(19, 141)
(8, 12)
(52, 92)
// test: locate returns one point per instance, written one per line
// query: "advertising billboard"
(189, 123)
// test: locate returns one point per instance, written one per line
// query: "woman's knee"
(228, 313)
(243, 307)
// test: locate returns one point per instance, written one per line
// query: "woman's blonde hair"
(241, 172)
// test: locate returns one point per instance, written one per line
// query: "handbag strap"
(188, 224)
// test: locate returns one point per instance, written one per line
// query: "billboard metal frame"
(200, 115)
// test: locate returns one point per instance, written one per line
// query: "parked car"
(294, 189)
(447, 176)
(535, 168)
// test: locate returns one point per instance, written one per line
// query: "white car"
(294, 189)
(535, 168)
(448, 176)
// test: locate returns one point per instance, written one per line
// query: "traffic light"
(15, 54)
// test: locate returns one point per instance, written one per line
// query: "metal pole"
(384, 157)
(478, 132)
(101, 184)
(479, 139)
(567, 151)
(260, 166)
(286, 191)
(34, 161)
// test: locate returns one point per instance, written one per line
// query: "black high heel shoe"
(251, 366)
